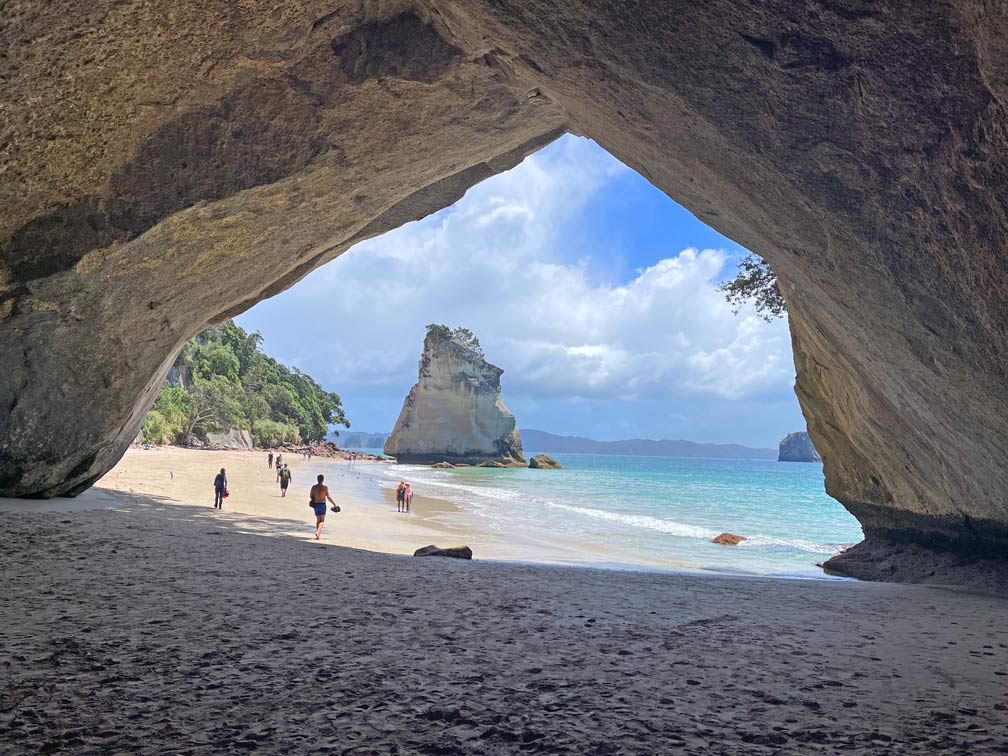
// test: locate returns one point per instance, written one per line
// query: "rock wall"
(230, 438)
(163, 170)
(455, 413)
(797, 447)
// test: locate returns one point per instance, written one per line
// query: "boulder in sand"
(728, 539)
(455, 552)
(544, 462)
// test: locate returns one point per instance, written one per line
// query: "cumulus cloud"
(501, 262)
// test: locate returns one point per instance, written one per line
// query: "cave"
(166, 171)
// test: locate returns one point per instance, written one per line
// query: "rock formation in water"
(859, 147)
(797, 447)
(543, 462)
(455, 413)
(728, 539)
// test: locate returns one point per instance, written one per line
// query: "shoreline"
(368, 519)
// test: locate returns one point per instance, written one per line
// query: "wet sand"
(147, 626)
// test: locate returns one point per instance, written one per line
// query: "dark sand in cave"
(161, 629)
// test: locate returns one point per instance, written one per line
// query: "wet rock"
(455, 552)
(728, 539)
(544, 462)
(443, 465)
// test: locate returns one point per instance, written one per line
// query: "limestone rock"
(455, 413)
(230, 438)
(151, 189)
(728, 539)
(544, 462)
(797, 447)
(443, 465)
(455, 552)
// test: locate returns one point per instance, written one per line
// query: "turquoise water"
(662, 510)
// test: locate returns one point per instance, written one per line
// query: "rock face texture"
(231, 438)
(165, 170)
(797, 447)
(455, 413)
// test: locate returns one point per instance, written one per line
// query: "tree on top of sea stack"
(454, 413)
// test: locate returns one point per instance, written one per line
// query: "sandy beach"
(368, 518)
(133, 623)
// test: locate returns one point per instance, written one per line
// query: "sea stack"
(455, 413)
(797, 447)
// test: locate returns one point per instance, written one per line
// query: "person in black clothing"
(219, 487)
(285, 479)
(269, 462)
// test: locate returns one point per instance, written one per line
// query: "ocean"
(656, 511)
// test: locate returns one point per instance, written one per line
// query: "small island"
(797, 447)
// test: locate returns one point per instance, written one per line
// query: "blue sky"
(593, 291)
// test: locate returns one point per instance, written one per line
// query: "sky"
(592, 290)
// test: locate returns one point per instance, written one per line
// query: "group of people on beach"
(318, 496)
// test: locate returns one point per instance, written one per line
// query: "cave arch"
(169, 170)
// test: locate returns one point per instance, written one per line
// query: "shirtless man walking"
(319, 494)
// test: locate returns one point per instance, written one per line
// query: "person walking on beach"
(269, 461)
(317, 501)
(408, 496)
(279, 464)
(284, 476)
(219, 487)
(400, 497)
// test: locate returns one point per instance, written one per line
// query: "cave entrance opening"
(603, 302)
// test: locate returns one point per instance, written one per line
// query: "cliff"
(797, 447)
(455, 413)
(151, 189)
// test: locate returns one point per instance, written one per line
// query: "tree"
(232, 383)
(463, 336)
(755, 282)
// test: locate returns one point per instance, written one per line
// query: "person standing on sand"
(317, 501)
(279, 464)
(219, 487)
(400, 496)
(269, 461)
(284, 476)
(408, 496)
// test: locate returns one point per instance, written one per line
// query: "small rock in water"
(728, 539)
(456, 552)
(443, 465)
(543, 462)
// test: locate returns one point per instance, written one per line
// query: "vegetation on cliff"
(755, 281)
(222, 379)
(463, 336)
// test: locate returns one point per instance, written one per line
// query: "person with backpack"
(220, 489)
(284, 476)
